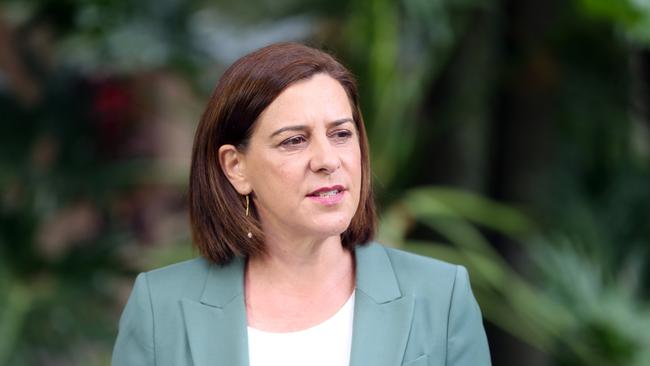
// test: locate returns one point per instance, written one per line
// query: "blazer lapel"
(216, 326)
(382, 315)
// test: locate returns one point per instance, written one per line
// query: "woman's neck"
(296, 286)
(303, 267)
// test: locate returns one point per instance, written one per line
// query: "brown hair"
(217, 214)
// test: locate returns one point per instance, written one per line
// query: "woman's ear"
(233, 165)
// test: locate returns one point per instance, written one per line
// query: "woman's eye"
(293, 141)
(341, 135)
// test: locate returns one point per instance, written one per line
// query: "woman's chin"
(330, 226)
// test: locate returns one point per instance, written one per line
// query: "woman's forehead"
(320, 99)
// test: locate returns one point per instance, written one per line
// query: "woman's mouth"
(328, 195)
(333, 192)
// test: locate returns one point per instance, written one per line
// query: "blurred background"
(510, 136)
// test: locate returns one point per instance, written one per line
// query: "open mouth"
(326, 192)
(331, 193)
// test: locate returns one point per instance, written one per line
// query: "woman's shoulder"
(179, 270)
(182, 279)
(405, 259)
(421, 274)
(410, 263)
(445, 307)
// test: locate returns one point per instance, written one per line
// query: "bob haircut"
(217, 211)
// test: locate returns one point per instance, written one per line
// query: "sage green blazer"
(409, 310)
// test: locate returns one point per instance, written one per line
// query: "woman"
(282, 213)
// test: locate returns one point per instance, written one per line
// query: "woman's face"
(303, 162)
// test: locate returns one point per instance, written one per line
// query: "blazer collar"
(375, 275)
(224, 283)
(217, 330)
(216, 324)
(382, 314)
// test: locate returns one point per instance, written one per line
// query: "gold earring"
(249, 234)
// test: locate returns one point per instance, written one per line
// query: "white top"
(326, 344)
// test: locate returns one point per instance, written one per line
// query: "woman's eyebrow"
(289, 128)
(339, 122)
(304, 127)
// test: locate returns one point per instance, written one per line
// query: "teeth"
(328, 193)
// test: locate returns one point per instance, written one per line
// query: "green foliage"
(610, 319)
(632, 16)
(397, 49)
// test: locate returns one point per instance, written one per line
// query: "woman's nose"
(324, 156)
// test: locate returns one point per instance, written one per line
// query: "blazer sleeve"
(466, 341)
(135, 344)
